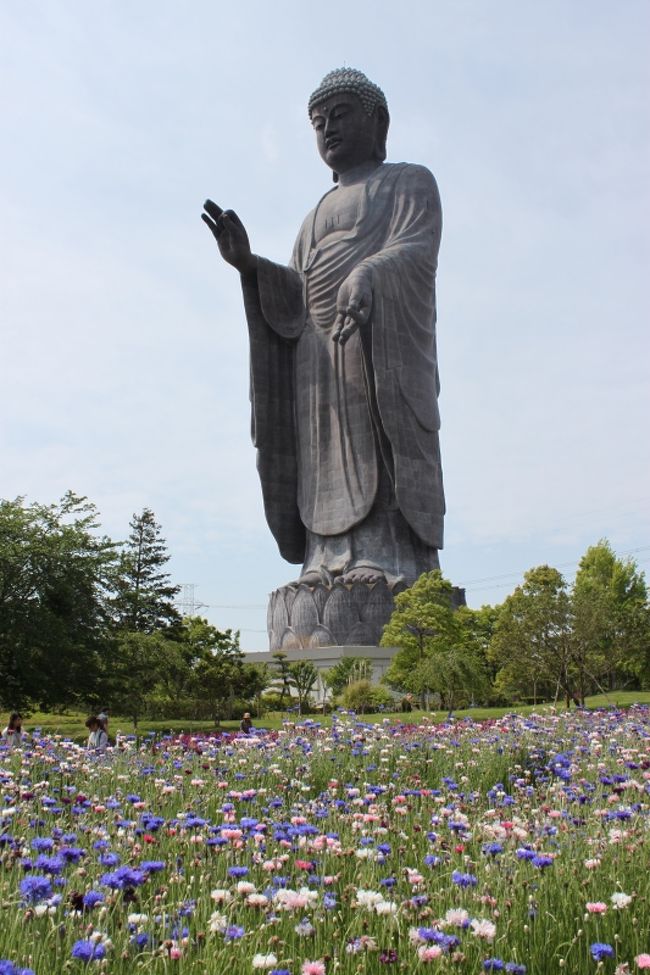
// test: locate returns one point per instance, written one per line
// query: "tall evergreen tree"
(144, 595)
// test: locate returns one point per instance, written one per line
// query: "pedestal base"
(303, 617)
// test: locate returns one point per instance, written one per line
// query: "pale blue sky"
(123, 365)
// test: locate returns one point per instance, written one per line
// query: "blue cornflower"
(86, 950)
(72, 854)
(93, 897)
(464, 879)
(35, 888)
(53, 865)
(123, 878)
(42, 844)
(109, 859)
(329, 901)
(8, 968)
(542, 860)
(233, 932)
(492, 849)
(599, 951)
(152, 866)
(431, 860)
(279, 971)
(523, 853)
(515, 968)
(237, 871)
(493, 965)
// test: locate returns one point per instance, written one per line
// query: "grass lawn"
(71, 723)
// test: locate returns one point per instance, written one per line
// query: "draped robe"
(347, 436)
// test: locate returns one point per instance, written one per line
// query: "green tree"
(303, 676)
(282, 674)
(218, 674)
(54, 573)
(423, 625)
(531, 645)
(143, 598)
(611, 619)
(135, 671)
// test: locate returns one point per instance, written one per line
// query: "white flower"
(137, 918)
(386, 907)
(264, 961)
(221, 896)
(620, 900)
(368, 898)
(245, 887)
(218, 922)
(257, 900)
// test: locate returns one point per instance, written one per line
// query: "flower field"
(520, 845)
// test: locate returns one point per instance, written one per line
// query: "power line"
(560, 565)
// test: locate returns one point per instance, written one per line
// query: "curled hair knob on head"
(352, 81)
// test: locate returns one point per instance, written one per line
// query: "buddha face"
(345, 134)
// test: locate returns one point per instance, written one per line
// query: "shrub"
(366, 698)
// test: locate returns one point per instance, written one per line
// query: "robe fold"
(334, 425)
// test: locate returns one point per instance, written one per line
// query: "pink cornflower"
(429, 952)
(642, 961)
(596, 907)
(313, 967)
(483, 929)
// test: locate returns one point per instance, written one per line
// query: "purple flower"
(42, 844)
(8, 968)
(53, 865)
(542, 860)
(515, 968)
(599, 951)
(233, 932)
(93, 897)
(237, 871)
(35, 888)
(388, 957)
(86, 950)
(152, 866)
(123, 878)
(463, 879)
(493, 965)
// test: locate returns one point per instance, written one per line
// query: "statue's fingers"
(209, 223)
(213, 209)
(233, 216)
(338, 325)
(349, 328)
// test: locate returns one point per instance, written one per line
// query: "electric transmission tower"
(186, 602)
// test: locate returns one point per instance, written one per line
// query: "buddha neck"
(358, 173)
